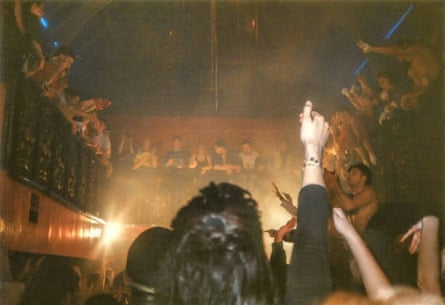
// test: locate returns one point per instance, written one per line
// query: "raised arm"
(309, 278)
(375, 281)
(18, 16)
(386, 50)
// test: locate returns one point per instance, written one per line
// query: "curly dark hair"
(218, 255)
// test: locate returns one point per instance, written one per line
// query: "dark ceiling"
(155, 57)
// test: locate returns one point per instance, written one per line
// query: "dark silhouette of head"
(144, 262)
(56, 282)
(217, 255)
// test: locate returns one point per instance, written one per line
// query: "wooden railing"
(42, 152)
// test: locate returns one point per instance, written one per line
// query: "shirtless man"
(362, 204)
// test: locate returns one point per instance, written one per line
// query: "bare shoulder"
(367, 196)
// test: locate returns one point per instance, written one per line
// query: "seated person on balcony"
(253, 166)
(201, 160)
(249, 156)
(225, 160)
(177, 157)
(146, 158)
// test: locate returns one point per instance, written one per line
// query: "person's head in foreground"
(218, 257)
(144, 263)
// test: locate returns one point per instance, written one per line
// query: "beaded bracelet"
(311, 162)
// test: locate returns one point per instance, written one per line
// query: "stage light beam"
(388, 35)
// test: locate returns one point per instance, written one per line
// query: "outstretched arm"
(309, 278)
(375, 281)
(386, 50)
(18, 16)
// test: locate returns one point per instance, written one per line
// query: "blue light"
(56, 43)
(362, 65)
(388, 35)
(399, 22)
(44, 23)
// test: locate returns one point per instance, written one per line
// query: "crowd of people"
(213, 251)
(24, 58)
(348, 246)
(146, 171)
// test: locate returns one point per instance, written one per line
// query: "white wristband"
(311, 162)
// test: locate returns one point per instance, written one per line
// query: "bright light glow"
(82, 233)
(56, 43)
(112, 231)
(95, 232)
(2, 225)
(44, 23)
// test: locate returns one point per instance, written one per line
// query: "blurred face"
(384, 83)
(177, 144)
(247, 148)
(202, 149)
(147, 143)
(67, 61)
(354, 177)
(218, 149)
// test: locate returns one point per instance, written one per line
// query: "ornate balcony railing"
(42, 152)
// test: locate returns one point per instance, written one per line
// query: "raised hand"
(416, 233)
(314, 130)
(366, 48)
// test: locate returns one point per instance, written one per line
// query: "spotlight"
(112, 231)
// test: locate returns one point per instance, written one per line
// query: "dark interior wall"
(414, 155)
